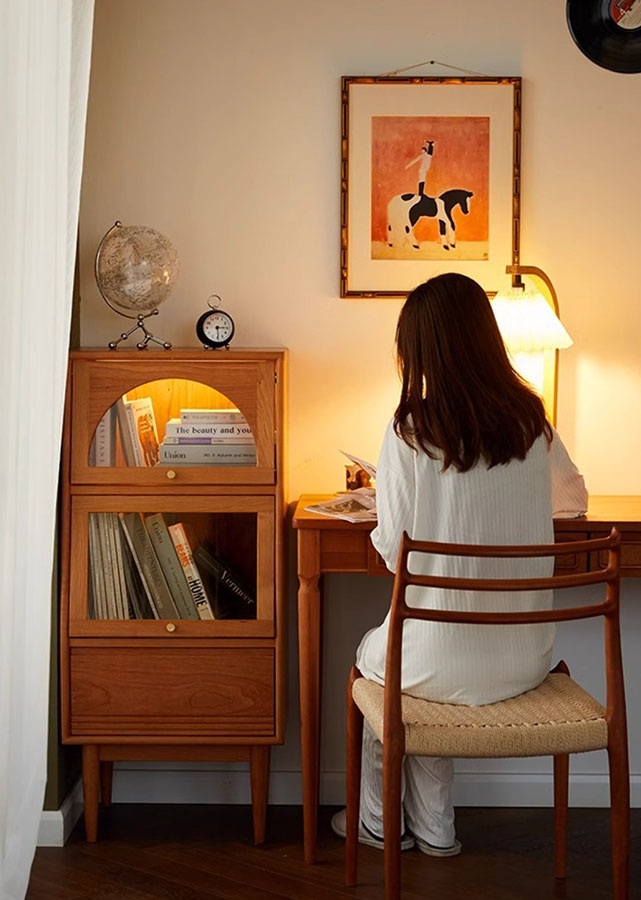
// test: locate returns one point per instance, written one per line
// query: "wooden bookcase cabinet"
(159, 689)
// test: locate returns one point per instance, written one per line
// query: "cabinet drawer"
(173, 691)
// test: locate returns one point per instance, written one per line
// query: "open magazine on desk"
(352, 506)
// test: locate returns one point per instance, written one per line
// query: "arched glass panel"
(173, 422)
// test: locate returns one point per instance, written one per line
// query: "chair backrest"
(609, 608)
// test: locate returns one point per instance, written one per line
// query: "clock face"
(216, 328)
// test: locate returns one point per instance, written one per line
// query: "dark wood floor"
(202, 852)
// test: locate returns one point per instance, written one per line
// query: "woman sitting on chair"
(469, 458)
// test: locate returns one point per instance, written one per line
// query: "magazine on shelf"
(149, 568)
(354, 506)
(97, 572)
(111, 609)
(233, 597)
(120, 600)
(171, 566)
(138, 601)
(191, 573)
(138, 433)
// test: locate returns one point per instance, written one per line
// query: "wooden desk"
(331, 545)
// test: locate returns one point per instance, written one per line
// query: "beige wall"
(218, 124)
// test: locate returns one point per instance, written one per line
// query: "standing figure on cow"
(425, 160)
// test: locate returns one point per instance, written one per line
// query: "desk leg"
(309, 625)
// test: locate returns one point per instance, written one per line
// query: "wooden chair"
(567, 719)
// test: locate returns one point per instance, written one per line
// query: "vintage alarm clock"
(215, 328)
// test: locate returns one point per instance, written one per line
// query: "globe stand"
(140, 323)
(129, 279)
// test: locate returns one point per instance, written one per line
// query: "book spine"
(127, 521)
(183, 551)
(223, 574)
(225, 431)
(120, 565)
(208, 441)
(111, 608)
(104, 442)
(125, 433)
(211, 417)
(119, 600)
(171, 566)
(207, 454)
(133, 435)
(141, 606)
(95, 562)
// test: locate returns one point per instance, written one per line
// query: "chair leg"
(353, 781)
(392, 775)
(620, 819)
(561, 774)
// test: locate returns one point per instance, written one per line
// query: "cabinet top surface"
(180, 353)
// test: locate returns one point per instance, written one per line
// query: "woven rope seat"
(556, 717)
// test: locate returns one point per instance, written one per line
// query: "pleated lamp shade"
(527, 322)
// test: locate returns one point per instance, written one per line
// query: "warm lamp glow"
(527, 322)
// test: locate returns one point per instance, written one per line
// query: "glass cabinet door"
(172, 567)
(173, 423)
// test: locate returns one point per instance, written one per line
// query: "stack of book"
(208, 437)
(143, 568)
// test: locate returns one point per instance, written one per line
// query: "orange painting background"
(461, 160)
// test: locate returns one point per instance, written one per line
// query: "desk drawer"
(571, 563)
(375, 562)
(173, 691)
(630, 553)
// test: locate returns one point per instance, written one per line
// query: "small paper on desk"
(357, 506)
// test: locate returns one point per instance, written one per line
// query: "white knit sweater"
(507, 504)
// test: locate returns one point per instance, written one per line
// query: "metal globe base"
(148, 336)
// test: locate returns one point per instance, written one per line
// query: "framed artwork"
(430, 178)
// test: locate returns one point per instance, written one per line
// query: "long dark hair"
(460, 394)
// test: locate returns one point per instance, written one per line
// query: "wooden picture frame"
(430, 181)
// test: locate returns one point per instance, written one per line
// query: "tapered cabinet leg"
(91, 788)
(561, 775)
(259, 768)
(106, 782)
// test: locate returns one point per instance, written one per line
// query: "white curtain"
(44, 74)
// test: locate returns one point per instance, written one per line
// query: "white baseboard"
(56, 825)
(470, 789)
(156, 785)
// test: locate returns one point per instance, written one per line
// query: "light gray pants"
(426, 793)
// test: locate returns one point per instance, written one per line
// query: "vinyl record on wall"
(608, 32)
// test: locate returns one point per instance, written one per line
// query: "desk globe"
(136, 268)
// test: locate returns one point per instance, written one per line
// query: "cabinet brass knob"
(171, 473)
(170, 626)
